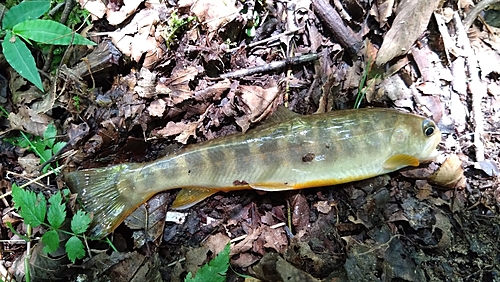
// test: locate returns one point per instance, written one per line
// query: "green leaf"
(49, 32)
(32, 207)
(51, 241)
(215, 270)
(58, 147)
(49, 135)
(23, 143)
(26, 10)
(80, 222)
(74, 248)
(19, 57)
(57, 211)
(39, 147)
(45, 155)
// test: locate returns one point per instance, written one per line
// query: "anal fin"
(189, 197)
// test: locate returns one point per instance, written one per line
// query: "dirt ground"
(166, 74)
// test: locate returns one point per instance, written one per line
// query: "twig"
(5, 274)
(32, 180)
(271, 66)
(474, 12)
(476, 88)
(341, 32)
(275, 37)
(70, 4)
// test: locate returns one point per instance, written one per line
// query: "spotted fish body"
(290, 151)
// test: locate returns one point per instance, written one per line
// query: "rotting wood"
(476, 88)
(346, 37)
(104, 56)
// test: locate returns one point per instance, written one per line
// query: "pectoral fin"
(400, 160)
(189, 197)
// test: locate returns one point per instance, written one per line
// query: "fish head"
(416, 136)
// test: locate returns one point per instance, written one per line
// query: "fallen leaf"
(450, 175)
(29, 121)
(382, 10)
(215, 14)
(157, 108)
(116, 17)
(256, 103)
(216, 242)
(29, 163)
(96, 8)
(323, 207)
(411, 20)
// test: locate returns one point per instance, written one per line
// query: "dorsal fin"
(280, 115)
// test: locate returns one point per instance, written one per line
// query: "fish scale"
(289, 151)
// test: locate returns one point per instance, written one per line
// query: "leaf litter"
(148, 87)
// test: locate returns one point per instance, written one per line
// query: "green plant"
(76, 103)
(252, 25)
(33, 209)
(361, 88)
(21, 22)
(44, 147)
(213, 271)
(174, 24)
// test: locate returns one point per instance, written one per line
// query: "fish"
(288, 151)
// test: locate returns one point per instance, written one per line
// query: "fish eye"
(428, 127)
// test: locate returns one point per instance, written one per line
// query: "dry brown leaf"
(424, 189)
(247, 243)
(215, 14)
(382, 10)
(393, 88)
(300, 212)
(273, 267)
(116, 17)
(188, 132)
(96, 8)
(245, 260)
(146, 83)
(410, 22)
(323, 207)
(216, 242)
(135, 38)
(256, 103)
(450, 174)
(29, 121)
(29, 163)
(172, 128)
(275, 238)
(178, 85)
(148, 221)
(157, 108)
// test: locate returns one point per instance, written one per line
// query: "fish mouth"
(430, 151)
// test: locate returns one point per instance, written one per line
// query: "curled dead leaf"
(450, 174)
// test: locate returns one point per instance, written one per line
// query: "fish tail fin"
(108, 193)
